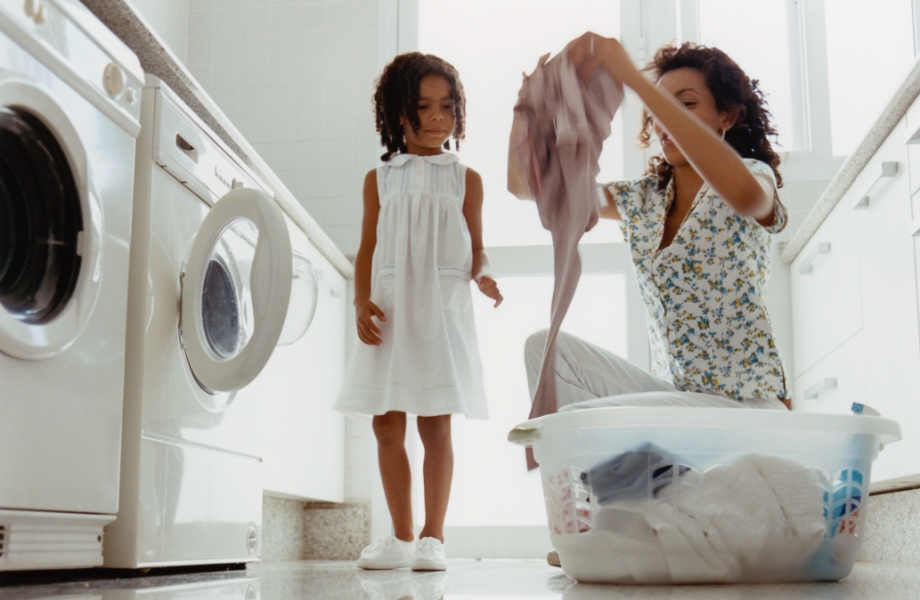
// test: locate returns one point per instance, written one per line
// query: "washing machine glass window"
(236, 290)
(40, 219)
(226, 297)
(304, 296)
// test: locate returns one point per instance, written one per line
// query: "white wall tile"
(311, 17)
(284, 45)
(194, 5)
(311, 99)
(257, 20)
(338, 184)
(283, 73)
(255, 48)
(310, 154)
(226, 77)
(252, 102)
(311, 184)
(340, 42)
(228, 100)
(227, 48)
(366, 15)
(200, 51)
(310, 71)
(229, 21)
(284, 18)
(339, 212)
(200, 23)
(339, 125)
(311, 126)
(341, 14)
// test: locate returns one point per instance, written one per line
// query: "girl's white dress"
(428, 363)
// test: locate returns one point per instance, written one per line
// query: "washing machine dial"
(113, 78)
(35, 10)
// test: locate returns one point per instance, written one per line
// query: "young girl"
(421, 243)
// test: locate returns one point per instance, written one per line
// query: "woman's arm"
(610, 210)
(713, 159)
(472, 212)
(365, 310)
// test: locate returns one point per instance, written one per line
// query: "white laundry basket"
(703, 495)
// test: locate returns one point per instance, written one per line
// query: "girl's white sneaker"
(386, 553)
(429, 555)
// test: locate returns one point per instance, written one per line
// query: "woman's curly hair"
(397, 96)
(732, 90)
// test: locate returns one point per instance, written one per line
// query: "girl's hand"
(488, 287)
(591, 52)
(368, 331)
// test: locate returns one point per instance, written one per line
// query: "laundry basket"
(705, 495)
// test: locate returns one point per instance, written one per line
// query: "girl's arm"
(472, 211)
(715, 161)
(365, 310)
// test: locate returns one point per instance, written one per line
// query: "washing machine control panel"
(187, 150)
(77, 47)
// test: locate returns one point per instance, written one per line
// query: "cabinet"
(856, 316)
(301, 437)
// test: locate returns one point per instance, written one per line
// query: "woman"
(699, 225)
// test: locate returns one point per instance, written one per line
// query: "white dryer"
(212, 277)
(69, 118)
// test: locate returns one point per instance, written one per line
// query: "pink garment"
(560, 124)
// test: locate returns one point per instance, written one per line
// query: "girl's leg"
(390, 431)
(438, 470)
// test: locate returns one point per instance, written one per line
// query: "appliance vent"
(2, 539)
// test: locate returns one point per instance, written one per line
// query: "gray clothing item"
(588, 376)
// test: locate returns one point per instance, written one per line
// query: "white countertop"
(854, 164)
(157, 59)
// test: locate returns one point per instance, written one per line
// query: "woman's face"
(689, 87)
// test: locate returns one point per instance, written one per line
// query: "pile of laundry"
(759, 518)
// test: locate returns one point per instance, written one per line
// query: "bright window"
(870, 49)
(492, 486)
(755, 34)
(491, 42)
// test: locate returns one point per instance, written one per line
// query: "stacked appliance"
(212, 278)
(69, 119)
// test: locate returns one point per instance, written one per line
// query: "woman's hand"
(488, 287)
(368, 331)
(591, 52)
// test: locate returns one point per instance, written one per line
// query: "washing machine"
(214, 286)
(69, 119)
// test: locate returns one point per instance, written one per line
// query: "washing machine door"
(235, 290)
(51, 225)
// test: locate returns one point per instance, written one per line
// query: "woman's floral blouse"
(706, 292)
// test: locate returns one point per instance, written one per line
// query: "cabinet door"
(890, 320)
(826, 303)
(304, 436)
(845, 368)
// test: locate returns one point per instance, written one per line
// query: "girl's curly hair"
(732, 90)
(397, 96)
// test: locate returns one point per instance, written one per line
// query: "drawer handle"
(825, 384)
(821, 248)
(886, 169)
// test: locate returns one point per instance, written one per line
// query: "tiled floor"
(464, 580)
